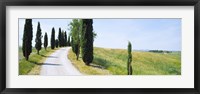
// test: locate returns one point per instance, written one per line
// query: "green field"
(114, 62)
(33, 65)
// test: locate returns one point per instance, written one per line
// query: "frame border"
(4, 3)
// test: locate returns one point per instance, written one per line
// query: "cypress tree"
(27, 38)
(56, 43)
(87, 41)
(129, 67)
(53, 38)
(60, 37)
(45, 41)
(38, 41)
(65, 39)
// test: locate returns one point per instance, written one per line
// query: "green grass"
(143, 63)
(94, 69)
(33, 65)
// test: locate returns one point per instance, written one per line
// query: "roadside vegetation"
(93, 69)
(33, 65)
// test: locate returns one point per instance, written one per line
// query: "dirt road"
(57, 64)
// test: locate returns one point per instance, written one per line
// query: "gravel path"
(58, 64)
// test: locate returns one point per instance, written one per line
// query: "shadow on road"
(45, 63)
(49, 56)
(51, 64)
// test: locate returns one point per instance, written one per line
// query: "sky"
(144, 34)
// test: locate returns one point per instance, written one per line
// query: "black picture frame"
(4, 3)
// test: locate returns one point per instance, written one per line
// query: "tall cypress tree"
(27, 38)
(129, 67)
(87, 41)
(60, 37)
(45, 41)
(53, 38)
(38, 41)
(65, 39)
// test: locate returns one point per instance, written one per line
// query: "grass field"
(33, 65)
(114, 61)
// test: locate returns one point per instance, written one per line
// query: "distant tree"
(65, 39)
(27, 38)
(87, 41)
(38, 39)
(60, 37)
(45, 41)
(56, 43)
(53, 38)
(129, 66)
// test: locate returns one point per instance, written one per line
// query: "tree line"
(82, 37)
(62, 40)
(160, 51)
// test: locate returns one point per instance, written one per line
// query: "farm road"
(58, 64)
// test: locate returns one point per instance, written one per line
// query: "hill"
(114, 62)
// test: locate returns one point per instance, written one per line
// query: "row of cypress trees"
(28, 35)
(27, 38)
(62, 40)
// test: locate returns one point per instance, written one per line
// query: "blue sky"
(144, 34)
